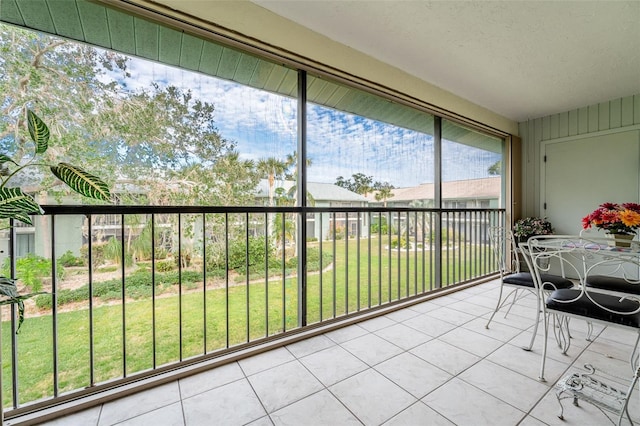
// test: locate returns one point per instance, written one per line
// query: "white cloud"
(340, 144)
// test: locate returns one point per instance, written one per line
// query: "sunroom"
(277, 195)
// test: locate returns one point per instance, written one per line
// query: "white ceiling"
(521, 59)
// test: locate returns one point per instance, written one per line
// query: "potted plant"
(18, 205)
(619, 220)
(530, 226)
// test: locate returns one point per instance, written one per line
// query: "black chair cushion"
(525, 279)
(585, 307)
(612, 283)
(521, 278)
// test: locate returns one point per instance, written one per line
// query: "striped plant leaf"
(15, 204)
(39, 132)
(8, 212)
(81, 181)
(6, 159)
(21, 216)
(9, 290)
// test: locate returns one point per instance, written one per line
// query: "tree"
(495, 169)
(284, 230)
(383, 192)
(272, 169)
(342, 182)
(291, 163)
(158, 137)
(358, 183)
(292, 174)
(58, 79)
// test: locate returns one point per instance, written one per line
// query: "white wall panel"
(617, 115)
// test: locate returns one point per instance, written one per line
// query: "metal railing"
(173, 286)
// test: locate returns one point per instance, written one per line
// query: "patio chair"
(519, 283)
(584, 259)
(619, 279)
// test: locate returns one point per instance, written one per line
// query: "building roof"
(319, 191)
(489, 187)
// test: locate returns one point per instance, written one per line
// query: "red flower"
(632, 206)
(609, 206)
(614, 218)
(596, 216)
(610, 216)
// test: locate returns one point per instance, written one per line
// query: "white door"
(579, 174)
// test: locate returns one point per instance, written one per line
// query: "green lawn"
(254, 311)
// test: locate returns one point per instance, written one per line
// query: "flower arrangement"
(614, 218)
(530, 226)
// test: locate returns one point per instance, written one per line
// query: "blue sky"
(339, 144)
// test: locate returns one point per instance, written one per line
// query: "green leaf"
(6, 159)
(15, 204)
(9, 290)
(82, 182)
(39, 132)
(22, 217)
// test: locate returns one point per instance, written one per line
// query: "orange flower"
(630, 218)
(614, 218)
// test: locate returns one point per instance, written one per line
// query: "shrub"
(104, 288)
(190, 277)
(43, 301)
(216, 273)
(241, 255)
(161, 253)
(69, 259)
(141, 245)
(139, 278)
(313, 260)
(375, 229)
(97, 254)
(112, 295)
(379, 225)
(110, 268)
(31, 270)
(137, 285)
(400, 242)
(70, 296)
(113, 252)
(165, 265)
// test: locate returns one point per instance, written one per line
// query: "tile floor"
(430, 364)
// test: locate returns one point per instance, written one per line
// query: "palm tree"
(283, 230)
(292, 162)
(273, 169)
(384, 192)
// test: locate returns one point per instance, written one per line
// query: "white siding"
(618, 114)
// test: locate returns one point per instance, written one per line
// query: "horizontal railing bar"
(118, 209)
